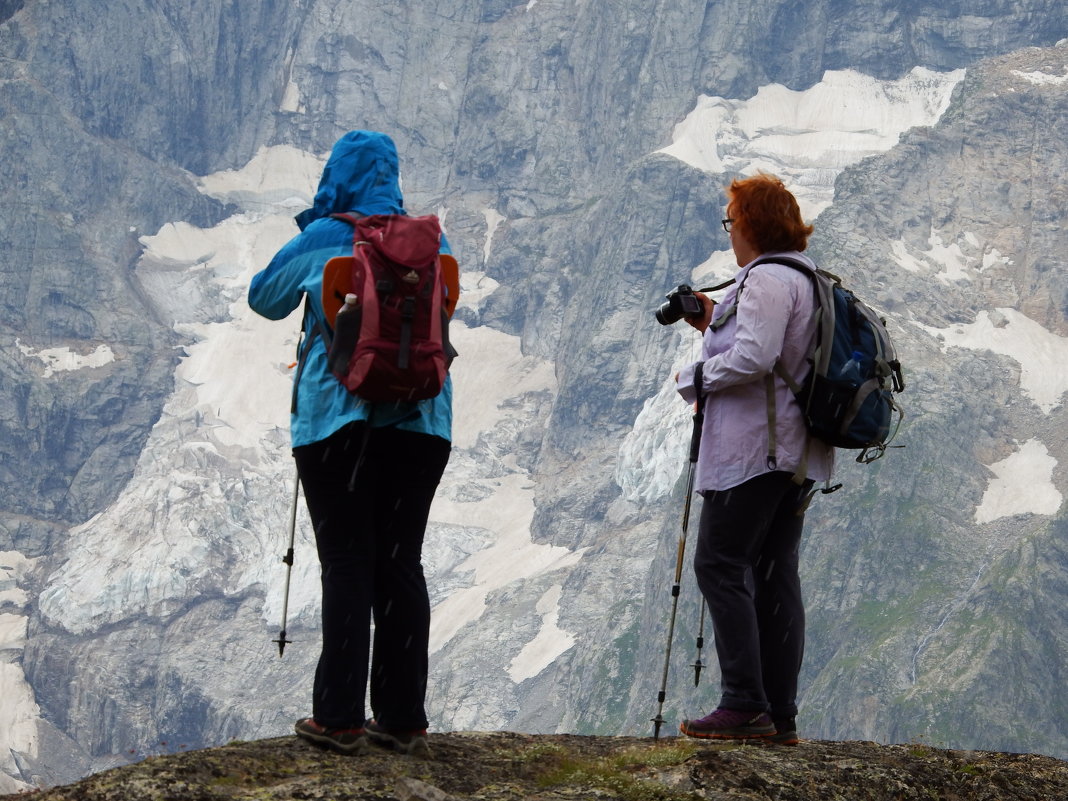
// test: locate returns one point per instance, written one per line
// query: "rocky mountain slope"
(147, 494)
(504, 766)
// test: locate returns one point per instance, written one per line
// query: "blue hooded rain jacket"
(361, 177)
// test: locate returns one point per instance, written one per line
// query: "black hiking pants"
(369, 535)
(747, 568)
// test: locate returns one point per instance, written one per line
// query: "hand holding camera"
(685, 304)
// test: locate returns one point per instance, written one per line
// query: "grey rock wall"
(940, 612)
(548, 113)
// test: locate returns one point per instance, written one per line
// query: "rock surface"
(506, 767)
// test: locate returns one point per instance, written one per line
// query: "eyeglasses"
(727, 224)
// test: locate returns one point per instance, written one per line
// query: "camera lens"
(679, 304)
(666, 315)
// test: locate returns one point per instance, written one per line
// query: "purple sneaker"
(730, 724)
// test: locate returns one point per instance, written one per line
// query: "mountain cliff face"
(950, 585)
(148, 490)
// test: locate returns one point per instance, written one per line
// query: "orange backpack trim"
(337, 272)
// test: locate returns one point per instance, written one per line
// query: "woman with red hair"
(756, 465)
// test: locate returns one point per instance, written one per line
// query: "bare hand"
(702, 322)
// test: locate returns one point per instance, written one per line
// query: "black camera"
(681, 302)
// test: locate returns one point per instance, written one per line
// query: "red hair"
(766, 213)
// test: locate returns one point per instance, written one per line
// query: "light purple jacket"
(774, 321)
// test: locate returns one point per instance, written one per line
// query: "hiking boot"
(411, 741)
(344, 741)
(730, 724)
(785, 732)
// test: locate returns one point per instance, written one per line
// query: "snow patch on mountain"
(550, 642)
(808, 137)
(13, 569)
(490, 370)
(1022, 484)
(63, 360)
(511, 555)
(475, 287)
(493, 219)
(484, 489)
(276, 178)
(654, 450)
(1042, 78)
(1040, 353)
(949, 257)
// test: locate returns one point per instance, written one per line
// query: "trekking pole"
(288, 559)
(695, 445)
(699, 664)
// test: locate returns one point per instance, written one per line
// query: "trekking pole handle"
(679, 557)
(698, 414)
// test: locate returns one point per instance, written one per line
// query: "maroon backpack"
(392, 343)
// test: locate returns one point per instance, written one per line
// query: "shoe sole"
(416, 747)
(728, 734)
(359, 746)
(789, 739)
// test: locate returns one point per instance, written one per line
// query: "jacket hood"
(362, 174)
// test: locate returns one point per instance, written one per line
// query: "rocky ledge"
(502, 765)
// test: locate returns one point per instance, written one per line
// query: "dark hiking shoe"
(785, 732)
(730, 724)
(411, 742)
(344, 741)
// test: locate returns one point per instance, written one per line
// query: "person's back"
(369, 472)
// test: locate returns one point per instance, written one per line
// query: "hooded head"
(362, 175)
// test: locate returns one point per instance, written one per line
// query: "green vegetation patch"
(628, 775)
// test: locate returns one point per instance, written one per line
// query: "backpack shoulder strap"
(309, 335)
(780, 371)
(797, 265)
(823, 284)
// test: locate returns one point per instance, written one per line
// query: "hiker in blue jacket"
(369, 475)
